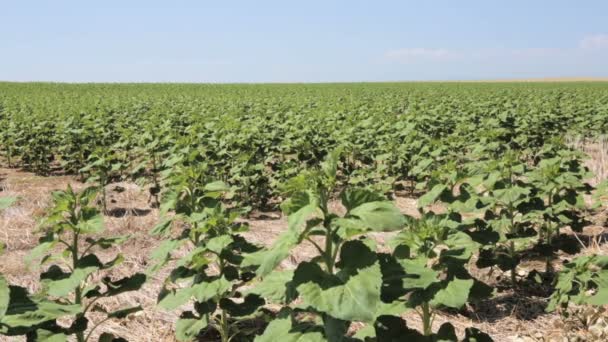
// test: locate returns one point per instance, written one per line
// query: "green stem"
(427, 318)
(328, 255)
(224, 327)
(78, 292)
(513, 267)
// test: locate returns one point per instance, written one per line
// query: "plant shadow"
(122, 212)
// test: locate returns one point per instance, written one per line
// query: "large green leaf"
(217, 244)
(379, 216)
(354, 197)
(512, 194)
(418, 274)
(375, 216)
(39, 313)
(454, 295)
(357, 300)
(283, 330)
(63, 287)
(205, 291)
(274, 287)
(173, 299)
(268, 259)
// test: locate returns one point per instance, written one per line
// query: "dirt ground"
(507, 317)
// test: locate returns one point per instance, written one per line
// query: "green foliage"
(349, 280)
(212, 273)
(66, 253)
(582, 281)
(496, 183)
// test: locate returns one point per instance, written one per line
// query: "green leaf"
(512, 194)
(217, 186)
(357, 300)
(173, 299)
(217, 244)
(269, 259)
(39, 251)
(419, 275)
(354, 197)
(207, 290)
(355, 255)
(330, 164)
(63, 287)
(461, 247)
(274, 287)
(600, 297)
(87, 195)
(376, 216)
(162, 254)
(283, 330)
(49, 336)
(298, 201)
(431, 196)
(454, 295)
(187, 329)
(91, 223)
(41, 312)
(202, 292)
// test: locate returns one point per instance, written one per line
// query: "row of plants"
(495, 213)
(257, 137)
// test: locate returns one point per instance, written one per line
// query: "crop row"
(493, 159)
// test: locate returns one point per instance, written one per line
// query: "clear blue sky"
(303, 41)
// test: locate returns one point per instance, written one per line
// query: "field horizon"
(483, 80)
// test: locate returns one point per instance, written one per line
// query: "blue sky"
(303, 41)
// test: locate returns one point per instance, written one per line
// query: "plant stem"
(78, 292)
(224, 328)
(426, 316)
(513, 267)
(328, 251)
